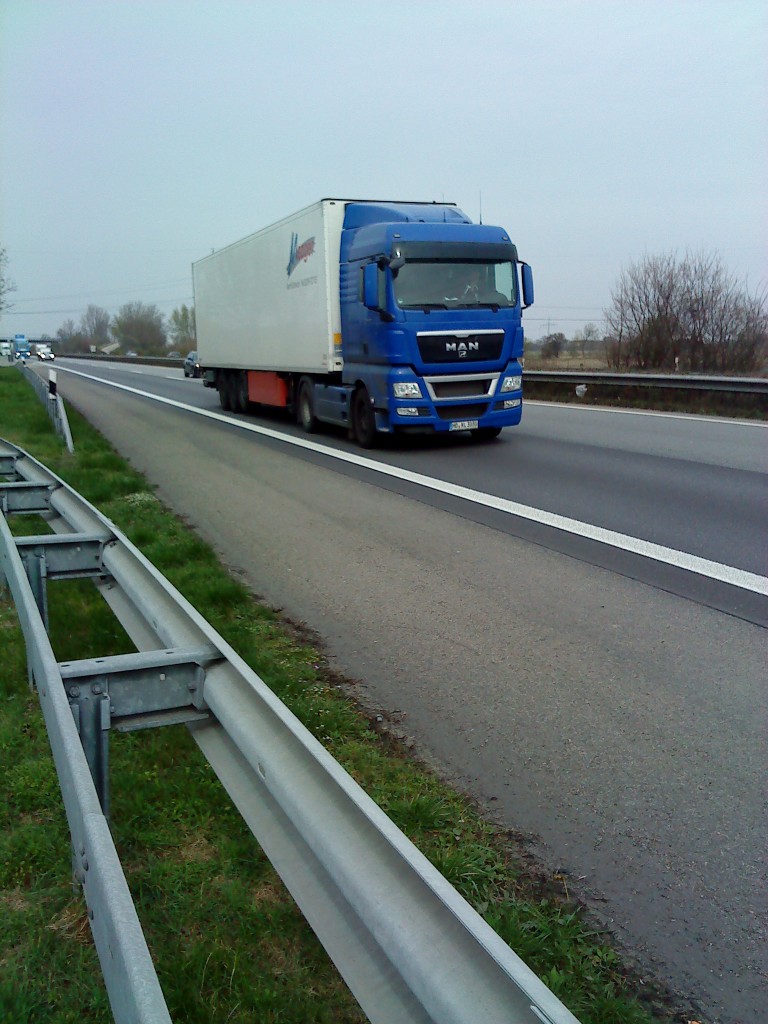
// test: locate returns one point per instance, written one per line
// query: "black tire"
(230, 383)
(240, 391)
(363, 420)
(305, 406)
(185, 372)
(225, 395)
(485, 433)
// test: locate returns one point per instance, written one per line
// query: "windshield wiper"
(480, 304)
(425, 307)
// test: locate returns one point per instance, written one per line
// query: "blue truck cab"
(431, 320)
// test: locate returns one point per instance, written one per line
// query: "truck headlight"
(407, 410)
(407, 389)
(512, 383)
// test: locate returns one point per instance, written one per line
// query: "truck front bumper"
(455, 402)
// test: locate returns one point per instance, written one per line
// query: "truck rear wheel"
(305, 406)
(240, 391)
(222, 386)
(363, 419)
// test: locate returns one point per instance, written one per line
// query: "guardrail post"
(90, 709)
(34, 567)
(36, 570)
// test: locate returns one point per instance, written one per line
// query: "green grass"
(228, 941)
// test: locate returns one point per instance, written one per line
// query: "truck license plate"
(463, 425)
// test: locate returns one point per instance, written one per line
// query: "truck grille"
(472, 388)
(462, 412)
(454, 348)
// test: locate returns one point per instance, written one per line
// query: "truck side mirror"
(371, 286)
(527, 285)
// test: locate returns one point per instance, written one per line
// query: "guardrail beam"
(146, 683)
(56, 557)
(23, 496)
(129, 692)
(675, 381)
(8, 465)
(67, 556)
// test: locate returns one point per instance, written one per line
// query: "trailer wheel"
(240, 391)
(363, 420)
(230, 383)
(222, 386)
(305, 406)
(485, 433)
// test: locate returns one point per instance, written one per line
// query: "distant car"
(174, 355)
(192, 367)
(45, 353)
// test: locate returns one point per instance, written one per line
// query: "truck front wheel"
(305, 406)
(363, 419)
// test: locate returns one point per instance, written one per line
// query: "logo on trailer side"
(299, 253)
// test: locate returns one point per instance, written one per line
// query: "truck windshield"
(450, 284)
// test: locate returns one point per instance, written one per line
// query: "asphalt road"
(608, 704)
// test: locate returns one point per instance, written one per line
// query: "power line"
(115, 291)
(563, 319)
(62, 312)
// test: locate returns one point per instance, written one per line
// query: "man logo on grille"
(462, 348)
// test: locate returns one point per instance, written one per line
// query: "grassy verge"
(227, 939)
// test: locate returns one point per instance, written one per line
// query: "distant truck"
(377, 316)
(6, 350)
(44, 351)
(21, 347)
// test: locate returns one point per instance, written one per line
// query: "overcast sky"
(137, 136)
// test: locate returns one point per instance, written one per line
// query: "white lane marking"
(658, 552)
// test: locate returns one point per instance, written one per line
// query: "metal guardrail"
(673, 381)
(48, 394)
(410, 948)
(171, 361)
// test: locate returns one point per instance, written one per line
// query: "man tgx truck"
(377, 316)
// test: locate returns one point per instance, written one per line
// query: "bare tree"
(584, 341)
(71, 338)
(688, 314)
(552, 345)
(6, 284)
(140, 328)
(182, 329)
(94, 325)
